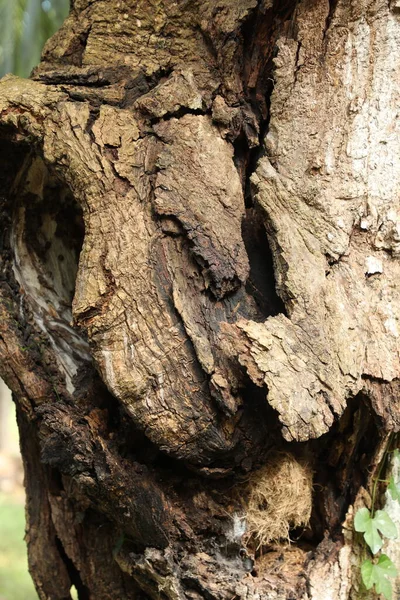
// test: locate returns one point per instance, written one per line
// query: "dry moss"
(282, 559)
(279, 498)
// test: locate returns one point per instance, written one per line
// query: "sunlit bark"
(199, 293)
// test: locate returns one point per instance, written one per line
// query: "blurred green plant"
(25, 26)
(15, 581)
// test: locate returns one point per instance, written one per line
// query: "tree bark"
(199, 294)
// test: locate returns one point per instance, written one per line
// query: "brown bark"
(199, 293)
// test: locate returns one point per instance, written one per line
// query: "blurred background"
(25, 25)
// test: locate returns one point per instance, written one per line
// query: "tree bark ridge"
(158, 157)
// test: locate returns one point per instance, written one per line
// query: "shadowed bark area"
(199, 293)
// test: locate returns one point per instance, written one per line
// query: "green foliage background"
(15, 582)
(25, 25)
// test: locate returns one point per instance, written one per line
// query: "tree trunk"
(199, 296)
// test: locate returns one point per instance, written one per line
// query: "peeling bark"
(199, 260)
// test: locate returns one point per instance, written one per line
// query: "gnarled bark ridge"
(199, 257)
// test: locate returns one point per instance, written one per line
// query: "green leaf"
(394, 489)
(384, 523)
(387, 565)
(368, 574)
(383, 586)
(362, 519)
(366, 525)
(396, 453)
(378, 574)
(372, 537)
(381, 522)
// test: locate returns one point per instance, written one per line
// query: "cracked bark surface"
(199, 268)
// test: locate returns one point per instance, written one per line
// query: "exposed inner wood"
(199, 277)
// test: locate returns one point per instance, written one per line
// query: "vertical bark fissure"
(331, 14)
(260, 33)
(73, 572)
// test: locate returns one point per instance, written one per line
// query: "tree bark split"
(199, 292)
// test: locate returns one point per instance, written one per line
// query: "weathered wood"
(199, 270)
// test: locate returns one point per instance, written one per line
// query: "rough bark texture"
(199, 281)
